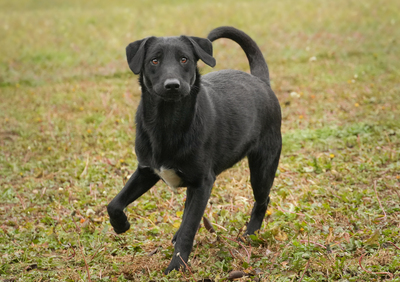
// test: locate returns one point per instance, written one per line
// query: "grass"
(67, 106)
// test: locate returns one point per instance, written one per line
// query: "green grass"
(67, 107)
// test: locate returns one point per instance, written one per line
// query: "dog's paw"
(120, 228)
(175, 264)
(120, 223)
(118, 219)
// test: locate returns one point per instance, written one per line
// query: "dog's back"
(246, 108)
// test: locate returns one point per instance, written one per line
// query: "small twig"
(183, 274)
(231, 252)
(394, 245)
(237, 242)
(191, 273)
(124, 180)
(282, 210)
(379, 201)
(339, 244)
(70, 245)
(82, 252)
(248, 254)
(22, 201)
(171, 202)
(370, 272)
(317, 244)
(84, 259)
(43, 191)
(195, 253)
(219, 226)
(72, 248)
(96, 252)
(145, 218)
(398, 195)
(308, 263)
(86, 167)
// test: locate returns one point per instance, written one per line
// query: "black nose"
(172, 84)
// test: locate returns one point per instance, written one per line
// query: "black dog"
(190, 128)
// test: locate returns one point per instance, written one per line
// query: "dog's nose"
(172, 84)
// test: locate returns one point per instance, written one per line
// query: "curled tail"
(258, 66)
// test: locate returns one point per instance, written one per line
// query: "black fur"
(198, 127)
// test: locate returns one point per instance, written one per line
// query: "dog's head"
(168, 65)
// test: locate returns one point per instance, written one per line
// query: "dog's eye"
(184, 60)
(154, 62)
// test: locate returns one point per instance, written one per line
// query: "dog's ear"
(203, 49)
(135, 53)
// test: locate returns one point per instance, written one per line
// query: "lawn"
(67, 131)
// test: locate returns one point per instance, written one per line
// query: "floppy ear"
(135, 53)
(203, 49)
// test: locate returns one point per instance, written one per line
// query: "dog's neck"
(170, 116)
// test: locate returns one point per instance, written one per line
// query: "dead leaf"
(374, 239)
(208, 225)
(347, 237)
(281, 236)
(153, 252)
(330, 236)
(235, 274)
(31, 267)
(39, 174)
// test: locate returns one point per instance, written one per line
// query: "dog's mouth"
(172, 95)
(169, 97)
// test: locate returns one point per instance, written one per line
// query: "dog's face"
(168, 64)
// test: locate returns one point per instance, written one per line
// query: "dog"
(190, 128)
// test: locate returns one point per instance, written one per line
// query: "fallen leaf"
(208, 225)
(31, 267)
(330, 236)
(235, 274)
(281, 236)
(152, 252)
(308, 169)
(374, 239)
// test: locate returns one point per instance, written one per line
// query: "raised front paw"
(120, 227)
(118, 220)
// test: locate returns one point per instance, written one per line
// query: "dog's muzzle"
(171, 85)
(172, 89)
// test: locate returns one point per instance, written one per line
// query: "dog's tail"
(258, 66)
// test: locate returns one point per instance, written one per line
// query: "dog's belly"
(169, 176)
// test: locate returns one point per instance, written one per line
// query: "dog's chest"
(169, 176)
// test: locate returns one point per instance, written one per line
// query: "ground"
(67, 130)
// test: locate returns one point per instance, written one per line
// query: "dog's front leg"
(196, 202)
(188, 199)
(139, 183)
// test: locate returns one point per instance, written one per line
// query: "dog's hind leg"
(139, 183)
(263, 164)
